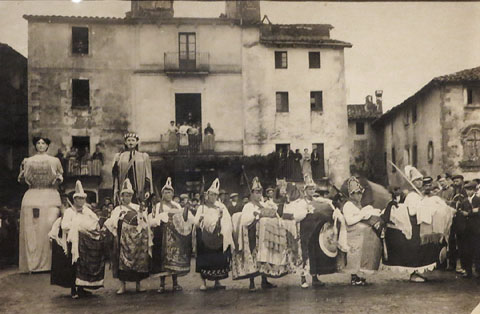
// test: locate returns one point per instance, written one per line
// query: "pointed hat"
(79, 192)
(168, 185)
(354, 185)
(256, 184)
(215, 188)
(412, 173)
(308, 181)
(127, 187)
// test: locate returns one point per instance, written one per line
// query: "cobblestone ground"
(386, 293)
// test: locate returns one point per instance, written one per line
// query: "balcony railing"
(194, 63)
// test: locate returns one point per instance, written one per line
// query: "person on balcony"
(192, 138)
(183, 133)
(172, 137)
(209, 141)
(97, 161)
(306, 163)
(72, 156)
(85, 162)
(135, 166)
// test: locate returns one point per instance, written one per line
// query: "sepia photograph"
(239, 156)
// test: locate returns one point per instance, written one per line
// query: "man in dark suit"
(234, 206)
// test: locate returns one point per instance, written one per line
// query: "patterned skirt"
(132, 255)
(171, 252)
(212, 263)
(90, 266)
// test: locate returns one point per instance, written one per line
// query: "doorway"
(188, 108)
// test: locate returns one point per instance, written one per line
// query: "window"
(360, 128)
(471, 144)
(80, 93)
(316, 101)
(318, 161)
(406, 155)
(187, 50)
(430, 152)
(469, 96)
(281, 61)
(414, 155)
(414, 113)
(394, 160)
(80, 40)
(406, 117)
(314, 60)
(282, 101)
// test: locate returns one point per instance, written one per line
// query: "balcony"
(196, 147)
(197, 63)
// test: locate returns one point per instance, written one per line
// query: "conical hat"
(309, 181)
(412, 173)
(79, 192)
(215, 188)
(354, 185)
(256, 184)
(168, 185)
(127, 187)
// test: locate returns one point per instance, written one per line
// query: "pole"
(405, 177)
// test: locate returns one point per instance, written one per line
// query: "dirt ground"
(386, 293)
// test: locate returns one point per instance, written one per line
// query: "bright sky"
(397, 47)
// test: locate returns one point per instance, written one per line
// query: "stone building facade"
(437, 129)
(362, 136)
(260, 85)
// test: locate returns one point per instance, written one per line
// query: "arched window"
(471, 143)
(430, 152)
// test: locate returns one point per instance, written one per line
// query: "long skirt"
(410, 255)
(172, 142)
(244, 262)
(317, 260)
(171, 252)
(209, 142)
(35, 253)
(365, 248)
(212, 262)
(90, 266)
(131, 253)
(63, 272)
(272, 248)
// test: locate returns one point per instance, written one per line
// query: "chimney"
(152, 9)
(247, 11)
(378, 96)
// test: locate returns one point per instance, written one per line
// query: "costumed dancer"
(135, 166)
(40, 207)
(85, 243)
(416, 231)
(214, 239)
(172, 238)
(319, 233)
(261, 241)
(363, 238)
(132, 240)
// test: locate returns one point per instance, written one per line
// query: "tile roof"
(467, 75)
(360, 112)
(299, 34)
(464, 76)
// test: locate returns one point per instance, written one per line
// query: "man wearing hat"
(128, 224)
(83, 244)
(214, 239)
(172, 238)
(458, 224)
(467, 225)
(270, 193)
(234, 206)
(135, 166)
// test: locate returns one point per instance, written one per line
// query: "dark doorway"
(81, 143)
(188, 108)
